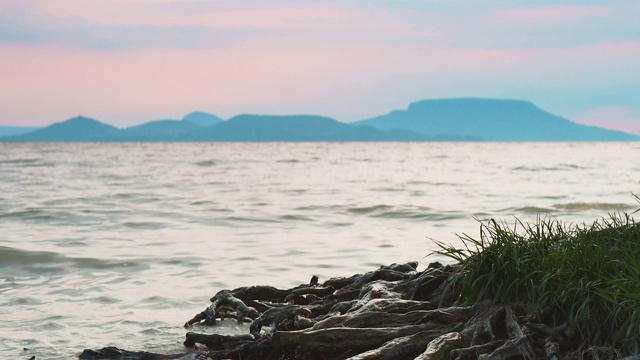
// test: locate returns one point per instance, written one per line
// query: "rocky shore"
(394, 312)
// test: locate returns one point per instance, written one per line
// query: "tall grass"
(584, 275)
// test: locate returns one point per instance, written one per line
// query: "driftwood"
(394, 312)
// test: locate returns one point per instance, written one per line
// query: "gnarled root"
(392, 313)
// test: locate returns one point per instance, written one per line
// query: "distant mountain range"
(463, 119)
(16, 130)
(491, 120)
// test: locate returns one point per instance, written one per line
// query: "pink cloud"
(575, 65)
(612, 117)
(127, 61)
(52, 84)
(143, 12)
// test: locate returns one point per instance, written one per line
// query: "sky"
(126, 62)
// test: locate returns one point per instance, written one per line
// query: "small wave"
(248, 219)
(28, 162)
(583, 206)
(125, 195)
(92, 263)
(21, 301)
(107, 300)
(144, 225)
(290, 161)
(553, 197)
(296, 191)
(29, 214)
(387, 189)
(12, 256)
(432, 183)
(219, 210)
(48, 261)
(295, 218)
(528, 210)
(206, 163)
(317, 207)
(295, 253)
(246, 258)
(369, 209)
(410, 213)
(559, 167)
(327, 266)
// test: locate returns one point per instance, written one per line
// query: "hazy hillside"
(160, 130)
(463, 119)
(73, 130)
(202, 118)
(491, 120)
(16, 130)
(294, 128)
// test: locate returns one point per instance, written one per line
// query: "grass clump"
(586, 276)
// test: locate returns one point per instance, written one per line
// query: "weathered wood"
(341, 282)
(545, 330)
(227, 299)
(343, 307)
(406, 347)
(255, 350)
(391, 313)
(113, 353)
(379, 289)
(320, 291)
(337, 340)
(206, 317)
(551, 350)
(391, 305)
(439, 348)
(480, 327)
(301, 322)
(215, 341)
(472, 352)
(285, 339)
(373, 320)
(513, 329)
(263, 293)
(274, 316)
(511, 348)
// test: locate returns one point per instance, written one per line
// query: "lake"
(121, 244)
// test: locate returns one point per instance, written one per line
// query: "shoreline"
(394, 312)
(491, 304)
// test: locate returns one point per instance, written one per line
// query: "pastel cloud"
(131, 61)
(209, 14)
(612, 117)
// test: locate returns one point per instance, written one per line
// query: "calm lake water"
(120, 244)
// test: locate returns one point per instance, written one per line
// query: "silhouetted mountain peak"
(159, 130)
(474, 106)
(202, 118)
(79, 120)
(456, 119)
(79, 128)
(283, 119)
(260, 128)
(489, 119)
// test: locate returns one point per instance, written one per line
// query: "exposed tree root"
(394, 312)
